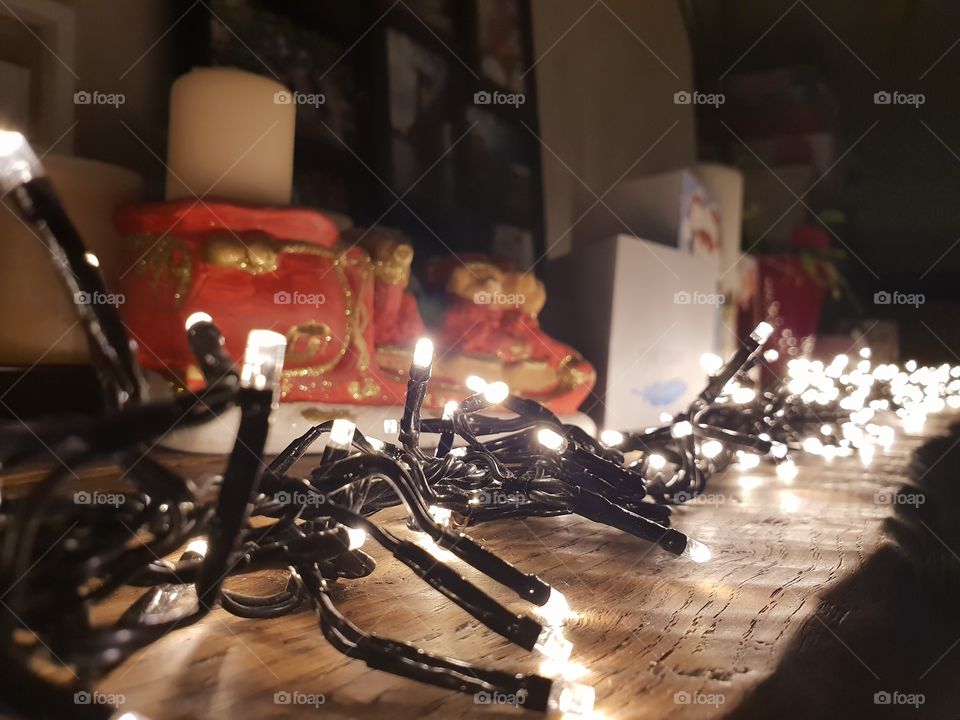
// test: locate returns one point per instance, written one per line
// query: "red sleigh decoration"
(349, 320)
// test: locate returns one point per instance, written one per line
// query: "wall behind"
(606, 75)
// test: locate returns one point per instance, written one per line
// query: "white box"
(671, 208)
(641, 312)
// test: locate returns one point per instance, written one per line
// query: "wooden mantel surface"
(815, 601)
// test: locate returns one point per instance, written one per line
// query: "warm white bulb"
(711, 363)
(865, 353)
(681, 429)
(10, 142)
(376, 443)
(475, 383)
(743, 395)
(496, 392)
(341, 434)
(778, 450)
(748, 460)
(263, 360)
(441, 516)
(697, 551)
(198, 546)
(355, 538)
(550, 439)
(459, 451)
(556, 610)
(552, 644)
(195, 318)
(423, 353)
(391, 426)
(611, 438)
(787, 471)
(711, 448)
(657, 461)
(762, 332)
(570, 700)
(771, 355)
(813, 445)
(91, 259)
(449, 408)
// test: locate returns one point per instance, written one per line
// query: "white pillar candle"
(230, 138)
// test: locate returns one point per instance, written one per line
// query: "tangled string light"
(62, 555)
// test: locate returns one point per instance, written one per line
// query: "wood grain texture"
(814, 601)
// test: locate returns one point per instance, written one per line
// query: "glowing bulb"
(10, 142)
(747, 460)
(789, 503)
(475, 383)
(391, 426)
(91, 259)
(556, 609)
(812, 445)
(696, 551)
(341, 434)
(449, 408)
(910, 366)
(197, 317)
(263, 360)
(762, 332)
(681, 429)
(553, 644)
(571, 700)
(657, 461)
(743, 395)
(787, 471)
(423, 353)
(711, 448)
(865, 353)
(826, 429)
(441, 516)
(778, 450)
(550, 439)
(711, 363)
(355, 538)
(611, 438)
(866, 454)
(496, 392)
(376, 443)
(459, 452)
(198, 546)
(666, 417)
(771, 355)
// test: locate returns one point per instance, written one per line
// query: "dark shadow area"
(891, 629)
